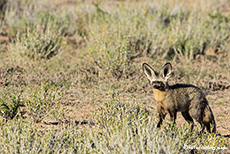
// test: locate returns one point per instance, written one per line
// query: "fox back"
(184, 98)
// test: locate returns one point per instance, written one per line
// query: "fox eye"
(158, 82)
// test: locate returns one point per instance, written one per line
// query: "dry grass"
(92, 59)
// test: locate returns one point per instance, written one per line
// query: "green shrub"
(22, 15)
(38, 44)
(129, 128)
(3, 4)
(156, 30)
(19, 13)
(10, 105)
(60, 22)
(20, 137)
(41, 101)
(113, 57)
(114, 113)
(119, 128)
(115, 40)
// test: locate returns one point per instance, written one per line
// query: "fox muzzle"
(158, 85)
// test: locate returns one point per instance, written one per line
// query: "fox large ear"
(149, 72)
(166, 70)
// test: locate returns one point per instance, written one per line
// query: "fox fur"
(185, 98)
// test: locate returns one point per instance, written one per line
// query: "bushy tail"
(208, 120)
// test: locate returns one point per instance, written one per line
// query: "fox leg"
(162, 115)
(161, 118)
(210, 127)
(173, 115)
(203, 125)
(188, 118)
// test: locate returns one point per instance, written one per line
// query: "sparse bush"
(19, 14)
(129, 128)
(115, 113)
(119, 128)
(112, 44)
(41, 101)
(21, 137)
(162, 31)
(10, 105)
(118, 36)
(59, 114)
(59, 22)
(22, 15)
(113, 57)
(38, 44)
(3, 4)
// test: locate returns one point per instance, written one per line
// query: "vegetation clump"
(71, 78)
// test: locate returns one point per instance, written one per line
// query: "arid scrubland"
(71, 79)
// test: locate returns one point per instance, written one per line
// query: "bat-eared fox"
(184, 98)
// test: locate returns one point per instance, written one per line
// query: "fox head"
(159, 80)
